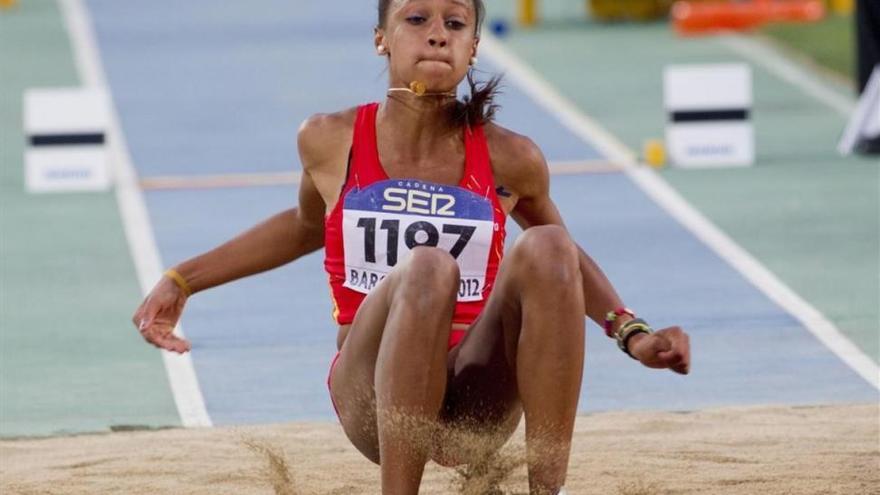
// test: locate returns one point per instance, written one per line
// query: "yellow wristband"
(179, 280)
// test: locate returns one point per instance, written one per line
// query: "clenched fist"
(668, 348)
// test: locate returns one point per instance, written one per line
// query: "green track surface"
(806, 213)
(70, 360)
(829, 43)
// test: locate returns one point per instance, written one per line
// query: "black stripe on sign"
(709, 115)
(67, 139)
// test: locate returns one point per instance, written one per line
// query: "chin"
(440, 82)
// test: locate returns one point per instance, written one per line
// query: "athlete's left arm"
(529, 178)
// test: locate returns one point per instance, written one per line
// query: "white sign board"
(66, 129)
(709, 109)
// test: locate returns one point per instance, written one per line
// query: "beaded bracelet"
(628, 330)
(612, 316)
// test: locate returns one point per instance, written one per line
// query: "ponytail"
(480, 107)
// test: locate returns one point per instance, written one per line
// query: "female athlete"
(409, 200)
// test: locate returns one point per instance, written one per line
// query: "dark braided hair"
(480, 106)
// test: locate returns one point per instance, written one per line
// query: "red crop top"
(378, 220)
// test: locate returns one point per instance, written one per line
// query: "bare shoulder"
(323, 137)
(324, 141)
(518, 163)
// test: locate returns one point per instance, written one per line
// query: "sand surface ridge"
(756, 450)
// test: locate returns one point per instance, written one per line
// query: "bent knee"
(430, 269)
(547, 249)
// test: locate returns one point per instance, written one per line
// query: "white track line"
(259, 179)
(667, 198)
(220, 181)
(788, 71)
(141, 242)
(585, 167)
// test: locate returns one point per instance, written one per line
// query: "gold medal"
(418, 87)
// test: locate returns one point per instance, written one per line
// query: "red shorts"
(455, 337)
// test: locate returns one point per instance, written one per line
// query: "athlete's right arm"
(274, 242)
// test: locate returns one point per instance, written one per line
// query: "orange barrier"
(692, 18)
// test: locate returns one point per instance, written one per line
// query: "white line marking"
(259, 179)
(866, 109)
(219, 181)
(585, 167)
(788, 71)
(138, 231)
(667, 198)
(563, 109)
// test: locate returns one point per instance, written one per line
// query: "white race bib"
(385, 221)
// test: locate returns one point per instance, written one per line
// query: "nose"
(438, 36)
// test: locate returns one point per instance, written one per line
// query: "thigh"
(482, 396)
(351, 378)
(420, 293)
(483, 393)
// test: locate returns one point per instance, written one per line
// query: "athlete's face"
(430, 41)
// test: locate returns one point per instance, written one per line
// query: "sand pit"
(765, 451)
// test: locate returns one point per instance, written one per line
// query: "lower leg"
(410, 378)
(550, 395)
(550, 356)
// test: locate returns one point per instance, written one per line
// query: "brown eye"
(455, 25)
(415, 20)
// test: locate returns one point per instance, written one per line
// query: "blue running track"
(205, 87)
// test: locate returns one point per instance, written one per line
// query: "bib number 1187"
(415, 235)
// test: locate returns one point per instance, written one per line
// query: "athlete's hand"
(667, 348)
(157, 316)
